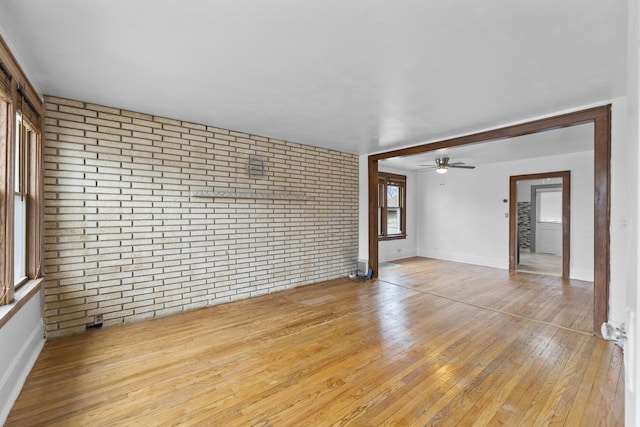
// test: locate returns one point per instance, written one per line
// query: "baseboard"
(467, 259)
(16, 374)
(584, 275)
(406, 253)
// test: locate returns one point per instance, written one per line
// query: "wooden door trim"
(566, 216)
(601, 118)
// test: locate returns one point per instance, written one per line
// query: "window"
(4, 134)
(20, 180)
(392, 190)
(549, 205)
(21, 147)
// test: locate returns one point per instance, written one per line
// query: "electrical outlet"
(97, 322)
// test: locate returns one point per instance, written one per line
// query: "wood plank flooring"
(335, 353)
(540, 263)
(560, 302)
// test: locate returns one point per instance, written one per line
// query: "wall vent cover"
(257, 166)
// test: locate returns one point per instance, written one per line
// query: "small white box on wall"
(363, 267)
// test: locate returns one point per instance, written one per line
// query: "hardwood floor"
(336, 353)
(553, 300)
(540, 263)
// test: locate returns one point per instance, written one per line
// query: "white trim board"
(21, 340)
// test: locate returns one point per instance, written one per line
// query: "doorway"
(540, 223)
(601, 119)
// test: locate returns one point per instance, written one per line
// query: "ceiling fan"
(442, 165)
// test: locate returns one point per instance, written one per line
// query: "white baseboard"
(16, 374)
(467, 259)
(393, 256)
(578, 274)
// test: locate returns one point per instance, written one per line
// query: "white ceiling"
(360, 76)
(549, 143)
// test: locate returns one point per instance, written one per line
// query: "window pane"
(393, 196)
(19, 239)
(550, 206)
(393, 221)
(17, 154)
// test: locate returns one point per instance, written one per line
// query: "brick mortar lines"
(124, 238)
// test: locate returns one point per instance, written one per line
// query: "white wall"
(628, 279)
(21, 340)
(463, 217)
(402, 248)
(621, 210)
(363, 207)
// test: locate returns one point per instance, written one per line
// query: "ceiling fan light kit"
(443, 165)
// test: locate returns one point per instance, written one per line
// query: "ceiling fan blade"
(455, 163)
(427, 166)
(462, 167)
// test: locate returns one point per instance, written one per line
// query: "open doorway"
(600, 117)
(540, 223)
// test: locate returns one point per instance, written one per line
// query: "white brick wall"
(125, 238)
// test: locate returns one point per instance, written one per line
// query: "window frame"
(6, 142)
(20, 102)
(384, 180)
(23, 185)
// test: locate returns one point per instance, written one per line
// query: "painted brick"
(124, 238)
